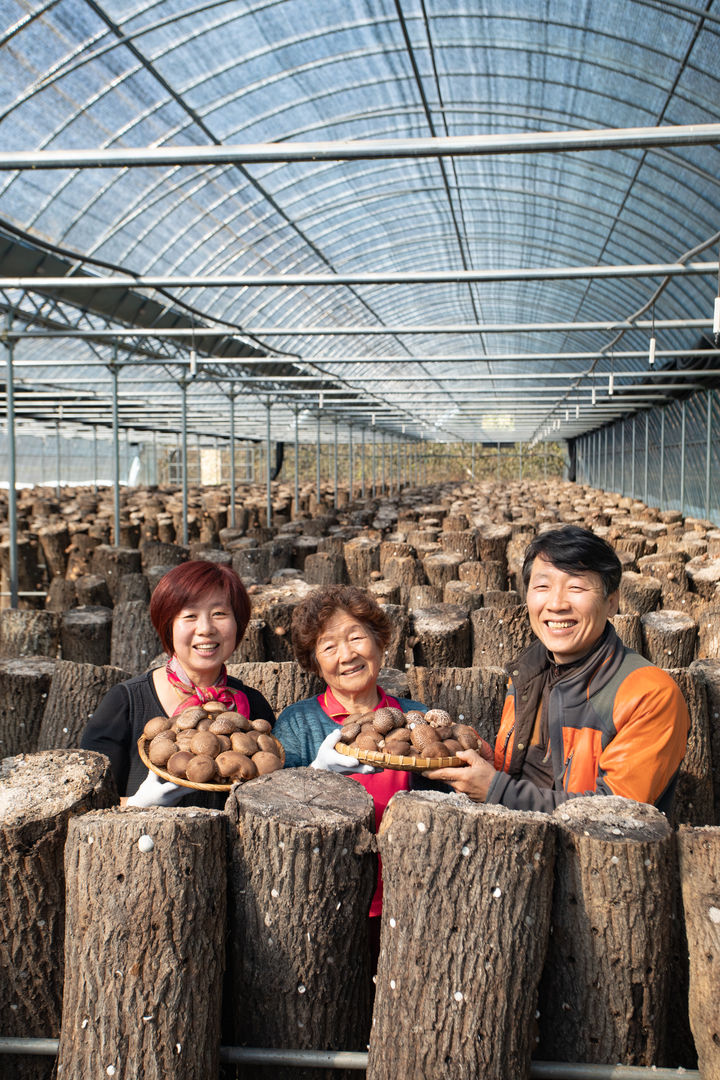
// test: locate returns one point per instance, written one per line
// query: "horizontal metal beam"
(368, 149)
(412, 277)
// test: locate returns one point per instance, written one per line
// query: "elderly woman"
(341, 633)
(200, 611)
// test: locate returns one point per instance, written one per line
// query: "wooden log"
(699, 857)
(385, 592)
(605, 988)
(75, 692)
(143, 974)
(29, 633)
(442, 636)
(325, 568)
(61, 595)
(452, 867)
(24, 687)
(639, 593)
(39, 794)
(669, 569)
(668, 638)
(423, 596)
(492, 543)
(498, 636)
(29, 575)
(464, 594)
(502, 599)
(85, 635)
(362, 557)
(472, 695)
(398, 653)
(302, 873)
(442, 567)
(404, 571)
(252, 647)
(112, 562)
(693, 801)
(281, 683)
(132, 587)
(302, 547)
(464, 542)
(707, 671)
(55, 541)
(629, 630)
(704, 575)
(134, 641)
(92, 591)
(486, 575)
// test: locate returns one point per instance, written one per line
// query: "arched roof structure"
(459, 221)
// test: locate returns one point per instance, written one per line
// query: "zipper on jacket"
(505, 746)
(566, 771)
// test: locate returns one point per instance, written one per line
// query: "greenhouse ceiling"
(453, 221)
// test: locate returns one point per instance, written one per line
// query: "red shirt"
(381, 786)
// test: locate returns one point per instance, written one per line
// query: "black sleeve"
(259, 706)
(109, 732)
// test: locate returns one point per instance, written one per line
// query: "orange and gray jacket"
(618, 725)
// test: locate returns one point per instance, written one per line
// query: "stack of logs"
(505, 934)
(444, 561)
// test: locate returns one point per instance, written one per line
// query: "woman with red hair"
(200, 611)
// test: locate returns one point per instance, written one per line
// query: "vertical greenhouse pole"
(632, 468)
(114, 372)
(683, 415)
(605, 464)
(95, 460)
(335, 467)
(647, 451)
(297, 461)
(233, 517)
(317, 460)
(350, 463)
(268, 464)
(362, 463)
(662, 457)
(614, 483)
(708, 451)
(374, 459)
(184, 436)
(622, 456)
(58, 455)
(12, 468)
(382, 451)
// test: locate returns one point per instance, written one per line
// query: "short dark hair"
(184, 584)
(312, 615)
(575, 550)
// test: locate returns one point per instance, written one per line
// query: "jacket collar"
(598, 665)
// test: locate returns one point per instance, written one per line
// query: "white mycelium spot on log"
(714, 914)
(458, 687)
(648, 863)
(268, 920)
(393, 923)
(85, 1023)
(458, 996)
(110, 1070)
(615, 859)
(301, 989)
(178, 1048)
(392, 984)
(421, 826)
(497, 892)
(146, 843)
(465, 850)
(274, 892)
(616, 832)
(316, 851)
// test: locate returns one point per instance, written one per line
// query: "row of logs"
(504, 934)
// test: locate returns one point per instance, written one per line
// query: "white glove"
(329, 759)
(156, 792)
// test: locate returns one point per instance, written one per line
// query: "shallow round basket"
(164, 775)
(395, 761)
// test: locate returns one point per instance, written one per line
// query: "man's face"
(567, 612)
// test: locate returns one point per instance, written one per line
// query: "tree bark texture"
(302, 873)
(29, 633)
(490, 574)
(134, 641)
(85, 635)
(39, 794)
(24, 687)
(472, 695)
(397, 653)
(281, 683)
(464, 594)
(112, 562)
(699, 856)
(442, 567)
(55, 541)
(465, 925)
(442, 634)
(325, 568)
(362, 557)
(405, 571)
(464, 542)
(498, 636)
(92, 589)
(708, 672)
(669, 638)
(669, 569)
(639, 593)
(423, 596)
(144, 944)
(693, 803)
(629, 629)
(75, 692)
(603, 996)
(708, 642)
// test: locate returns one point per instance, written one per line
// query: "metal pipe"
(683, 415)
(622, 456)
(350, 463)
(362, 463)
(12, 479)
(374, 459)
(58, 454)
(95, 460)
(647, 452)
(708, 452)
(317, 460)
(183, 394)
(411, 277)
(368, 149)
(632, 467)
(114, 372)
(335, 468)
(268, 464)
(384, 489)
(233, 514)
(297, 462)
(662, 457)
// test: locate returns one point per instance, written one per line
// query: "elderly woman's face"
(348, 656)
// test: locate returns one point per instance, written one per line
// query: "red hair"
(185, 584)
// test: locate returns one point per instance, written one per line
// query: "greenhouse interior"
(367, 293)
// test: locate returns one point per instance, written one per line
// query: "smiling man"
(583, 714)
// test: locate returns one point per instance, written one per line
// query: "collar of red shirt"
(332, 707)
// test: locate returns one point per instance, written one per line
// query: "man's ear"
(614, 601)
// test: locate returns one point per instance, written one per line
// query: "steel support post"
(231, 443)
(58, 454)
(683, 432)
(647, 454)
(362, 462)
(606, 465)
(622, 457)
(95, 460)
(614, 482)
(115, 372)
(708, 451)
(662, 458)
(317, 460)
(374, 461)
(382, 451)
(335, 466)
(297, 460)
(632, 469)
(350, 463)
(12, 472)
(268, 463)
(184, 439)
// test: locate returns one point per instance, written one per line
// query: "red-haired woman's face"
(203, 634)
